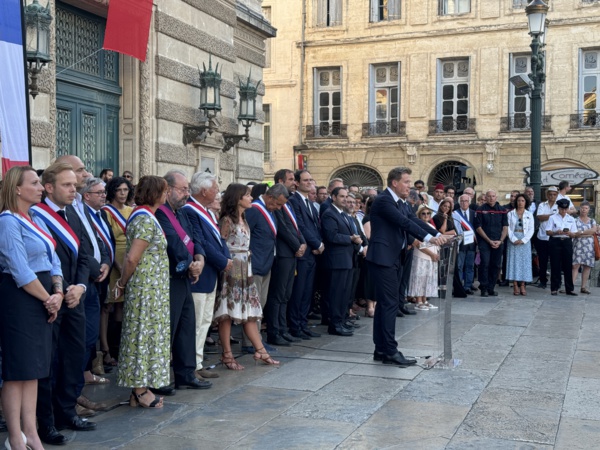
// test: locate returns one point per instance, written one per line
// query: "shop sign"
(574, 175)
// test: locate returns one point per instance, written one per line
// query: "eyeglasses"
(181, 189)
(97, 192)
(426, 214)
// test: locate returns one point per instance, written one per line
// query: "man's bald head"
(78, 168)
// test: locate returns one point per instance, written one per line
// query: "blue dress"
(518, 263)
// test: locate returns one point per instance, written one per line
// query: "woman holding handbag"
(583, 246)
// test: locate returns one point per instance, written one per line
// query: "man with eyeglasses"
(464, 217)
(186, 262)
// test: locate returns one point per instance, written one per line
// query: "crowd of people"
(146, 272)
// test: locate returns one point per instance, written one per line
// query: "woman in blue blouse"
(32, 293)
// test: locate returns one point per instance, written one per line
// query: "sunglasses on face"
(426, 214)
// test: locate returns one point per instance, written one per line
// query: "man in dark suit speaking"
(391, 224)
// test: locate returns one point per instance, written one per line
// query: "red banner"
(128, 27)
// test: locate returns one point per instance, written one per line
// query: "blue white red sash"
(116, 214)
(144, 210)
(205, 216)
(58, 225)
(266, 214)
(26, 222)
(291, 215)
(103, 231)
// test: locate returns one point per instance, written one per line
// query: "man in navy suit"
(204, 190)
(290, 244)
(465, 262)
(263, 236)
(333, 183)
(308, 222)
(342, 243)
(390, 226)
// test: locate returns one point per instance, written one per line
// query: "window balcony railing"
(452, 125)
(518, 4)
(381, 128)
(522, 122)
(588, 119)
(327, 130)
(590, 1)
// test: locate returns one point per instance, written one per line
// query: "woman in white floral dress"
(144, 353)
(238, 301)
(583, 246)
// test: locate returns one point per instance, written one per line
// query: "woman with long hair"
(443, 220)
(238, 300)
(518, 252)
(119, 194)
(32, 294)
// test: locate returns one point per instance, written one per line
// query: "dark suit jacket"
(94, 266)
(289, 239)
(216, 251)
(365, 241)
(471, 218)
(310, 226)
(262, 242)
(176, 249)
(389, 229)
(75, 269)
(325, 206)
(339, 249)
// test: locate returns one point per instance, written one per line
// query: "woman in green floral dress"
(145, 340)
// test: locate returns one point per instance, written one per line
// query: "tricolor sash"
(116, 214)
(266, 214)
(58, 225)
(187, 241)
(104, 232)
(291, 215)
(144, 210)
(205, 216)
(26, 222)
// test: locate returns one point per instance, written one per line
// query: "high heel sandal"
(516, 289)
(523, 290)
(230, 362)
(111, 361)
(134, 400)
(265, 358)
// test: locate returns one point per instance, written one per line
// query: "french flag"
(14, 117)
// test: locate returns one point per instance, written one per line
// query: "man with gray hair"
(263, 237)
(186, 262)
(204, 189)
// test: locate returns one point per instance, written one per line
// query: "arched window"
(363, 176)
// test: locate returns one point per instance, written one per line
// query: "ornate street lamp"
(37, 22)
(536, 12)
(210, 104)
(247, 115)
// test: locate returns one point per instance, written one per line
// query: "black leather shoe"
(278, 340)
(314, 316)
(407, 312)
(164, 391)
(78, 424)
(192, 383)
(300, 334)
(541, 285)
(311, 333)
(503, 283)
(399, 314)
(51, 436)
(351, 325)
(398, 359)
(340, 331)
(493, 294)
(484, 294)
(288, 337)
(572, 294)
(377, 356)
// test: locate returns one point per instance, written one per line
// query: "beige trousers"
(205, 307)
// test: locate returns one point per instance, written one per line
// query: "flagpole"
(26, 75)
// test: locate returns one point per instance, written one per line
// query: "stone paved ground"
(528, 378)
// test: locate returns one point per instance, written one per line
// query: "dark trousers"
(280, 291)
(543, 251)
(355, 275)
(92, 329)
(561, 259)
(337, 296)
(387, 287)
(299, 305)
(183, 329)
(406, 263)
(57, 394)
(491, 262)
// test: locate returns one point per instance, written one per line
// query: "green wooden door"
(87, 91)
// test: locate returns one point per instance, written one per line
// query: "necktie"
(98, 215)
(350, 223)
(308, 206)
(61, 213)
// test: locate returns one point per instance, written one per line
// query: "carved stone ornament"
(411, 153)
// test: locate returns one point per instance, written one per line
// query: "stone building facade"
(115, 111)
(357, 87)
